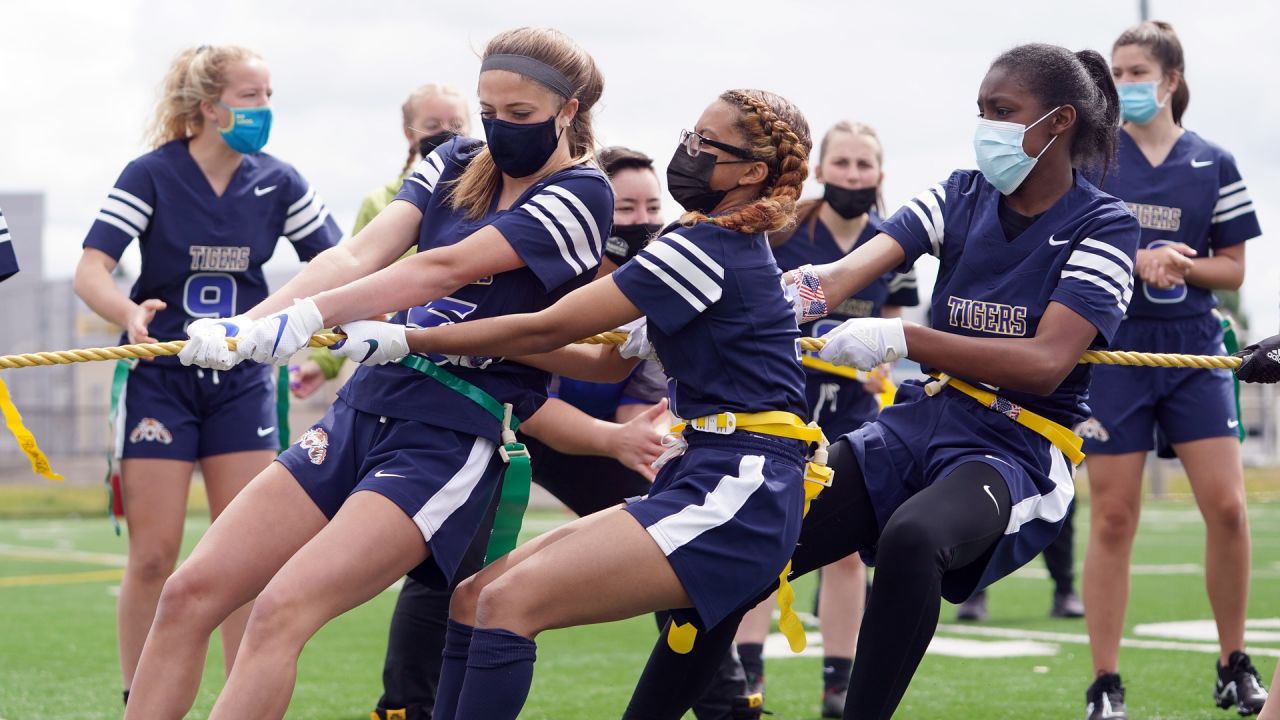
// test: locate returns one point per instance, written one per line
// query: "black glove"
(1261, 361)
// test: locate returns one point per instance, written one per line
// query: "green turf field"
(57, 638)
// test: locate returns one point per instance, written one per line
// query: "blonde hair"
(478, 184)
(777, 135)
(430, 90)
(196, 75)
(807, 210)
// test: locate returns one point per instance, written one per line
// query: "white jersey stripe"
(1052, 506)
(429, 171)
(695, 251)
(671, 282)
(420, 181)
(596, 240)
(304, 216)
(128, 229)
(132, 199)
(1228, 189)
(1233, 200)
(720, 505)
(686, 269)
(939, 203)
(582, 247)
(555, 233)
(302, 202)
(1089, 277)
(303, 232)
(128, 213)
(1108, 249)
(926, 225)
(454, 494)
(1233, 214)
(1106, 266)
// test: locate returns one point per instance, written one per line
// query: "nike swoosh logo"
(1057, 242)
(373, 348)
(263, 432)
(1201, 163)
(1233, 424)
(284, 320)
(260, 191)
(993, 498)
(386, 474)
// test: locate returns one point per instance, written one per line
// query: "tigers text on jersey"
(202, 253)
(717, 318)
(557, 227)
(8, 258)
(1195, 197)
(1078, 253)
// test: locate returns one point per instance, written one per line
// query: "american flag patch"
(809, 291)
(1009, 409)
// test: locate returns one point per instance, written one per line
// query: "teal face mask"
(249, 128)
(1001, 158)
(1138, 103)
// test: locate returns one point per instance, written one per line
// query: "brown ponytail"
(777, 135)
(1158, 37)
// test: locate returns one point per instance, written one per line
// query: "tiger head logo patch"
(1093, 430)
(316, 442)
(150, 430)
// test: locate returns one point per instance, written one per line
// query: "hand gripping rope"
(40, 464)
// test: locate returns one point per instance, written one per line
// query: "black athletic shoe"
(1104, 700)
(1238, 684)
(1066, 605)
(974, 609)
(833, 702)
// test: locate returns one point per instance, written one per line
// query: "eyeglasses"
(693, 143)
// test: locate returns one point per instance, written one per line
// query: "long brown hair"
(777, 135)
(195, 75)
(478, 184)
(1158, 37)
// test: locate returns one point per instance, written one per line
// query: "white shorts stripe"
(671, 282)
(556, 235)
(1051, 507)
(132, 199)
(686, 269)
(118, 422)
(721, 504)
(454, 494)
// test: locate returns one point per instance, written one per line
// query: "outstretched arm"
(591, 363)
(855, 271)
(592, 309)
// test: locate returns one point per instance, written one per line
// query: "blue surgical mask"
(521, 149)
(249, 128)
(1138, 103)
(1001, 158)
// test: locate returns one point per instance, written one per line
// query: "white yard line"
(36, 553)
(1076, 639)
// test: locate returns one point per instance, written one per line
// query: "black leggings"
(943, 528)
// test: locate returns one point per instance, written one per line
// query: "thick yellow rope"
(66, 357)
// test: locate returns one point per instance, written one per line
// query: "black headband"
(532, 69)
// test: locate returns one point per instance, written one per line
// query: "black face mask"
(431, 142)
(689, 181)
(847, 203)
(521, 149)
(628, 240)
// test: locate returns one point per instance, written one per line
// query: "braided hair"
(777, 135)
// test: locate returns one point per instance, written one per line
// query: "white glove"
(637, 344)
(370, 342)
(207, 346)
(275, 338)
(865, 343)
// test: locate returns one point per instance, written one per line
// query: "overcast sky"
(79, 80)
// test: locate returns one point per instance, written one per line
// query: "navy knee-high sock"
(499, 673)
(457, 644)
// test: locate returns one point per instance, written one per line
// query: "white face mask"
(1001, 158)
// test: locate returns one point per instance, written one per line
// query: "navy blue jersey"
(1078, 253)
(717, 318)
(8, 259)
(1196, 197)
(202, 254)
(557, 228)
